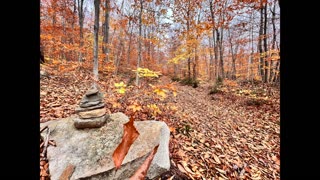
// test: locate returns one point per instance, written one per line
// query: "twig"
(52, 142)
(41, 144)
(46, 144)
(43, 129)
(215, 117)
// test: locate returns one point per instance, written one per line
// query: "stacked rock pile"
(91, 111)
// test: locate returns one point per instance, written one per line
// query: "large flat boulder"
(90, 150)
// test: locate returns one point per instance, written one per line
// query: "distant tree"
(95, 42)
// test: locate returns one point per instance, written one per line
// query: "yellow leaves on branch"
(121, 87)
(145, 72)
(272, 54)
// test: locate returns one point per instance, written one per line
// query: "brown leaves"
(276, 160)
(240, 144)
(129, 136)
(216, 158)
(44, 164)
(141, 173)
(67, 172)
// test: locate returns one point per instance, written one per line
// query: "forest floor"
(231, 134)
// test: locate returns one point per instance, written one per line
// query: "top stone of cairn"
(92, 91)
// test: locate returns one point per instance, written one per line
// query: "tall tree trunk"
(250, 60)
(266, 63)
(233, 57)
(81, 19)
(219, 42)
(211, 60)
(95, 43)
(140, 34)
(196, 57)
(120, 45)
(105, 48)
(189, 59)
(273, 64)
(174, 70)
(214, 41)
(71, 41)
(261, 62)
(130, 37)
(129, 45)
(149, 46)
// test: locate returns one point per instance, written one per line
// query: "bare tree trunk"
(130, 37)
(63, 38)
(71, 35)
(129, 46)
(219, 42)
(119, 57)
(95, 43)
(188, 28)
(233, 57)
(250, 60)
(105, 48)
(120, 45)
(214, 41)
(266, 63)
(196, 57)
(261, 62)
(81, 19)
(140, 34)
(149, 46)
(211, 60)
(273, 64)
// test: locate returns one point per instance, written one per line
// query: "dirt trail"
(219, 136)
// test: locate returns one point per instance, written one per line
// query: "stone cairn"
(91, 112)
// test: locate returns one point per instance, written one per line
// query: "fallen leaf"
(216, 158)
(221, 171)
(185, 166)
(181, 168)
(276, 160)
(129, 136)
(67, 172)
(141, 173)
(172, 129)
(206, 155)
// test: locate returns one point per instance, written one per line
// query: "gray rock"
(90, 123)
(94, 100)
(92, 113)
(89, 104)
(80, 109)
(90, 150)
(92, 91)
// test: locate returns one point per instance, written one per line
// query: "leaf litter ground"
(233, 134)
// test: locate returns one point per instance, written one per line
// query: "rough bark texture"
(140, 35)
(95, 43)
(266, 63)
(81, 19)
(261, 63)
(105, 48)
